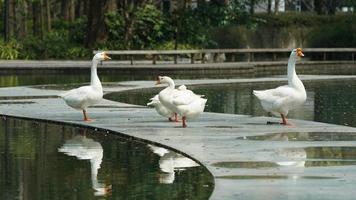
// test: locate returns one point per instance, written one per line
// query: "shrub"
(77, 31)
(146, 28)
(339, 34)
(78, 53)
(10, 50)
(229, 37)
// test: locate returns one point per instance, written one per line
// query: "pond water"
(328, 101)
(83, 77)
(68, 76)
(49, 161)
(293, 165)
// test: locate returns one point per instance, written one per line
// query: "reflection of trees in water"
(335, 103)
(35, 169)
(309, 156)
(331, 156)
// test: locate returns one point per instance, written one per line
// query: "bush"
(78, 53)
(146, 29)
(10, 50)
(340, 34)
(229, 37)
(77, 31)
(54, 45)
(170, 46)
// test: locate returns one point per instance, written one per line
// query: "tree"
(68, 10)
(252, 6)
(269, 6)
(276, 7)
(37, 26)
(326, 7)
(96, 28)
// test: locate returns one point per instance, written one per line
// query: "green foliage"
(10, 50)
(211, 25)
(148, 27)
(170, 46)
(143, 30)
(77, 53)
(77, 30)
(229, 37)
(115, 24)
(340, 34)
(54, 45)
(195, 25)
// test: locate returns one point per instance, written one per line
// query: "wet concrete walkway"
(249, 159)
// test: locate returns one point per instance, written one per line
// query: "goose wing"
(184, 97)
(76, 97)
(275, 95)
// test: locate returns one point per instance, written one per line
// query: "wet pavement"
(249, 159)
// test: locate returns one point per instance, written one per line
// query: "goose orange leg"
(284, 120)
(176, 117)
(184, 121)
(86, 118)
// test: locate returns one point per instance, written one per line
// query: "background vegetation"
(71, 29)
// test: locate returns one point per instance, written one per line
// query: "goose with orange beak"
(280, 100)
(183, 102)
(83, 97)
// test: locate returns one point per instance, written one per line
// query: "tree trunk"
(319, 6)
(201, 3)
(9, 19)
(128, 8)
(81, 8)
(252, 6)
(48, 16)
(331, 6)
(68, 10)
(37, 19)
(6, 20)
(21, 13)
(96, 28)
(269, 6)
(276, 7)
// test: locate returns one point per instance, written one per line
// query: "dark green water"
(328, 101)
(49, 161)
(83, 76)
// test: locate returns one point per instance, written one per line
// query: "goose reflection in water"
(290, 156)
(85, 148)
(169, 162)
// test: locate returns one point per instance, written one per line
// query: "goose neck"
(94, 79)
(291, 73)
(171, 84)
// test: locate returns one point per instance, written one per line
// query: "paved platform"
(243, 165)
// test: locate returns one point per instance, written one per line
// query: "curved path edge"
(211, 139)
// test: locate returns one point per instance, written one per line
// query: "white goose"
(184, 102)
(85, 96)
(280, 100)
(161, 109)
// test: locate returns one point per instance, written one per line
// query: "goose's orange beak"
(299, 52)
(106, 57)
(158, 81)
